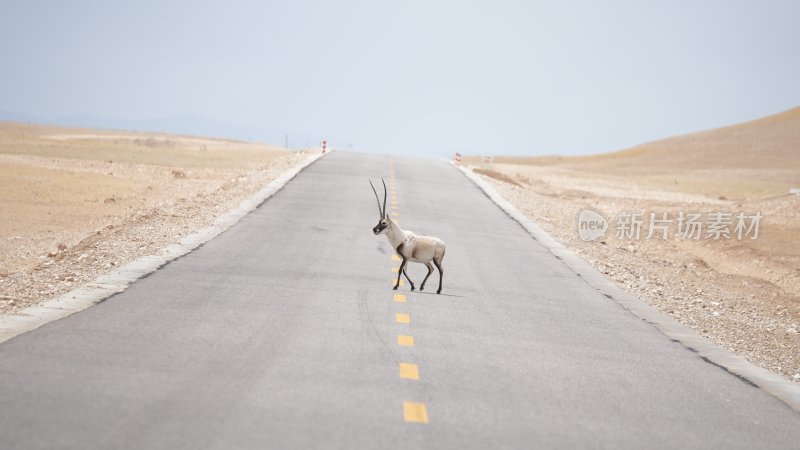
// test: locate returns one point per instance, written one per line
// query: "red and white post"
(457, 159)
(324, 146)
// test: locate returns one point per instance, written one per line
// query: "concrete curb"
(119, 279)
(784, 390)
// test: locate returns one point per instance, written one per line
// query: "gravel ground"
(741, 299)
(141, 233)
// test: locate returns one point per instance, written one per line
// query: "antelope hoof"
(439, 291)
(412, 288)
(394, 288)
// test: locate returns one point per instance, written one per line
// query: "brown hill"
(772, 142)
(755, 159)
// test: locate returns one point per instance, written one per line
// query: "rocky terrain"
(743, 294)
(77, 203)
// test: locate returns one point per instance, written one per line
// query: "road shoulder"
(785, 391)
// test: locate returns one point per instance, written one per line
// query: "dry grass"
(153, 149)
(496, 175)
(61, 184)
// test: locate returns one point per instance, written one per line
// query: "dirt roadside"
(77, 203)
(741, 293)
(720, 289)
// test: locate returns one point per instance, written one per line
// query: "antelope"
(410, 247)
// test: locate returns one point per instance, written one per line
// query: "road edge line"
(119, 279)
(783, 390)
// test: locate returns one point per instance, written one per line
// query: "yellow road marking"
(402, 318)
(405, 340)
(400, 298)
(396, 214)
(395, 269)
(415, 412)
(409, 371)
(395, 257)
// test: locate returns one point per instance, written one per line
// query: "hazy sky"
(417, 77)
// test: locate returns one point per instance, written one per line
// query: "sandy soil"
(742, 294)
(78, 202)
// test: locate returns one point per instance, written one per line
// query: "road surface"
(284, 332)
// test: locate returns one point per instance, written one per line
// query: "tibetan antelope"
(410, 247)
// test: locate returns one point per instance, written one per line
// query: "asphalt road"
(283, 333)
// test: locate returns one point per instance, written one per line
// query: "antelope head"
(383, 221)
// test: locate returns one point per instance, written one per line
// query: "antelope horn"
(376, 199)
(384, 197)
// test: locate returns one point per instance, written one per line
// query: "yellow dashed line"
(409, 371)
(415, 412)
(405, 341)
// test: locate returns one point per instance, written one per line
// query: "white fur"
(411, 247)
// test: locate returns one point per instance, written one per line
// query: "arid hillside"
(77, 202)
(736, 277)
(759, 158)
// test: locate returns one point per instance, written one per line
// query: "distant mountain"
(186, 124)
(22, 118)
(769, 142)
